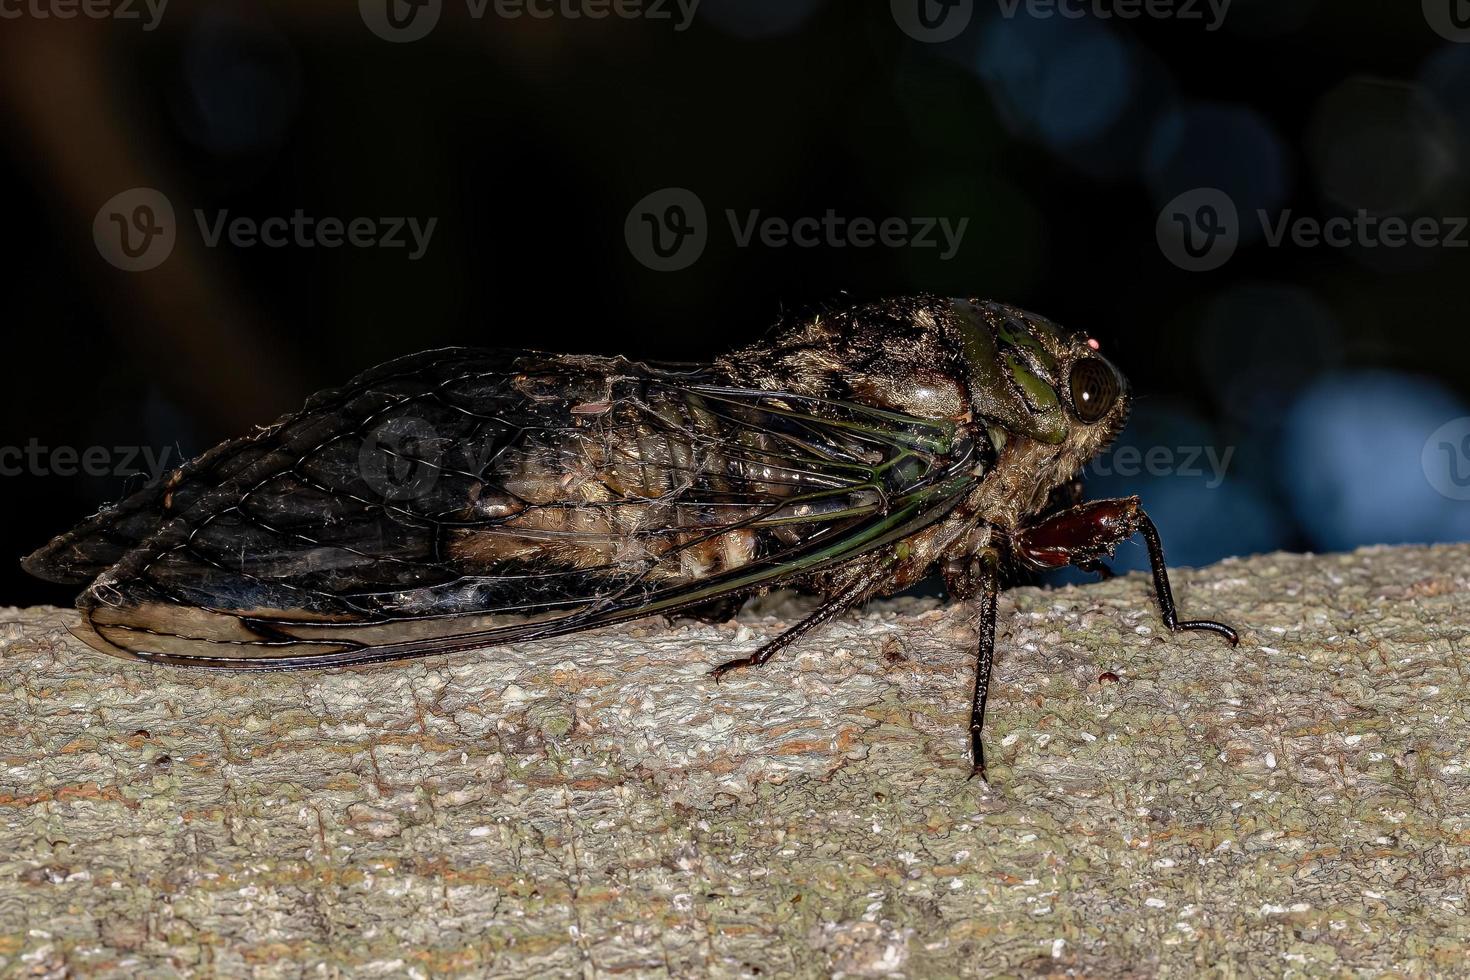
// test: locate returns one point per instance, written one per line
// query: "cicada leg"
(1082, 535)
(844, 599)
(984, 575)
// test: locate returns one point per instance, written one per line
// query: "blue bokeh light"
(1350, 461)
(242, 83)
(1063, 82)
(1193, 485)
(1259, 343)
(1445, 76)
(1228, 147)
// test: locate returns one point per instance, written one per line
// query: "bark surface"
(595, 804)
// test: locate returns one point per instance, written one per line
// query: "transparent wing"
(463, 498)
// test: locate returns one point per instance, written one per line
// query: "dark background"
(1323, 371)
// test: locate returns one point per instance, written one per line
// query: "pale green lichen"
(596, 804)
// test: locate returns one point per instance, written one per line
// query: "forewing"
(465, 498)
(101, 541)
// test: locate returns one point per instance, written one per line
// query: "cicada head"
(1029, 377)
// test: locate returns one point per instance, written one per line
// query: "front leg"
(979, 579)
(1082, 535)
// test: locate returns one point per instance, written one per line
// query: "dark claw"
(1209, 626)
(729, 665)
(1098, 568)
(977, 753)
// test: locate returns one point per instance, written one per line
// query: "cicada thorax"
(998, 373)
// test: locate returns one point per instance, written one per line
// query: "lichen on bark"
(596, 804)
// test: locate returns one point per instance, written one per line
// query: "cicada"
(460, 498)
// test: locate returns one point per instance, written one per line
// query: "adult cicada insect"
(461, 498)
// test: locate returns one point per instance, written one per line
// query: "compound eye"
(1095, 389)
